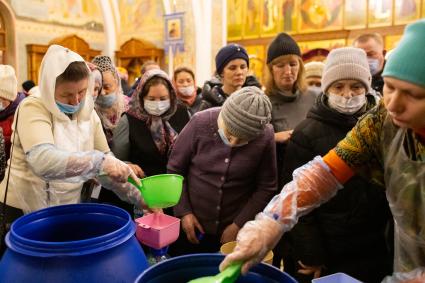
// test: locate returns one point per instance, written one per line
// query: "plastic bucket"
(157, 230)
(227, 248)
(161, 191)
(184, 268)
(73, 243)
(336, 278)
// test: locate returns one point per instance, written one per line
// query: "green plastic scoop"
(229, 275)
(160, 191)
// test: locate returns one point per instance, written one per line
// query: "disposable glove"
(254, 240)
(117, 170)
(415, 276)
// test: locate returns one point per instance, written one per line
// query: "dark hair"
(75, 72)
(27, 85)
(158, 81)
(183, 70)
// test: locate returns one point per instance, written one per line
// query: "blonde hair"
(299, 83)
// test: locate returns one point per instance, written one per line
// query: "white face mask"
(156, 108)
(2, 107)
(346, 105)
(187, 90)
(315, 89)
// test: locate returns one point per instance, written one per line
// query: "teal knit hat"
(407, 61)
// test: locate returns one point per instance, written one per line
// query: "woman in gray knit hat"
(347, 234)
(227, 156)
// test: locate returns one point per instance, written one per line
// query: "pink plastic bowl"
(157, 230)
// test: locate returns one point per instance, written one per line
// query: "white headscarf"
(55, 62)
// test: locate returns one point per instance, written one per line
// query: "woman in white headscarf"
(58, 142)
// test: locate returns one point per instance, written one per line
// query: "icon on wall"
(174, 32)
(234, 19)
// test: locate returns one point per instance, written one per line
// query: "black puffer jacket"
(345, 234)
(214, 96)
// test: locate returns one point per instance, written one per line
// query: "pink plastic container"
(157, 230)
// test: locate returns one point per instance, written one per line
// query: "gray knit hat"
(346, 63)
(246, 112)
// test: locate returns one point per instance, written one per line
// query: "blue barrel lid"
(28, 233)
(181, 269)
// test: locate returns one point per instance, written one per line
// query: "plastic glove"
(254, 241)
(415, 276)
(312, 185)
(117, 170)
(137, 170)
(125, 191)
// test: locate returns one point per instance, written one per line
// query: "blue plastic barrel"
(184, 268)
(73, 243)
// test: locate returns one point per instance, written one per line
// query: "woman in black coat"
(347, 234)
(232, 65)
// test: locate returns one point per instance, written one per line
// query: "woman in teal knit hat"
(388, 145)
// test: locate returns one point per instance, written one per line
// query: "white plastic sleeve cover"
(51, 164)
(312, 185)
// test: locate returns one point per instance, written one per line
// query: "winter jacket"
(378, 81)
(214, 96)
(287, 113)
(345, 234)
(6, 120)
(2, 156)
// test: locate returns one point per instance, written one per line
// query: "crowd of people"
(324, 163)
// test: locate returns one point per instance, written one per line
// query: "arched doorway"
(35, 52)
(3, 46)
(133, 53)
(8, 53)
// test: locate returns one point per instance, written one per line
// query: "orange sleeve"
(339, 168)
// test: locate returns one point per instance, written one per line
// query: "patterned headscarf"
(104, 64)
(162, 133)
(110, 116)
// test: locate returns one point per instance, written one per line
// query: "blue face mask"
(106, 101)
(69, 109)
(226, 140)
(373, 66)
